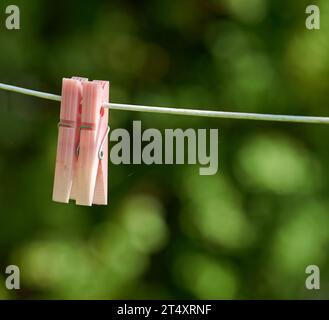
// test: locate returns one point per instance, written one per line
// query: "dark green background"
(247, 232)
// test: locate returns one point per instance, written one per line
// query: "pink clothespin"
(68, 138)
(91, 175)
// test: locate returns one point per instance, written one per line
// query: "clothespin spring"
(65, 124)
(101, 151)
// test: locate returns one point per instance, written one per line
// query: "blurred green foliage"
(247, 232)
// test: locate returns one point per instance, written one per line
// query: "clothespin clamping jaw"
(82, 153)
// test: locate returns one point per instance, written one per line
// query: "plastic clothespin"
(101, 192)
(91, 175)
(68, 138)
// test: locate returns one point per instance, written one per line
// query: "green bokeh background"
(249, 231)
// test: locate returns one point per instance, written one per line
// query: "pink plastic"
(91, 185)
(68, 139)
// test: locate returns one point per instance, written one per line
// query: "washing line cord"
(180, 111)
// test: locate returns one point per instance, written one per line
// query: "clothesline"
(181, 111)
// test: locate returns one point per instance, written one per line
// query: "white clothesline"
(180, 111)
